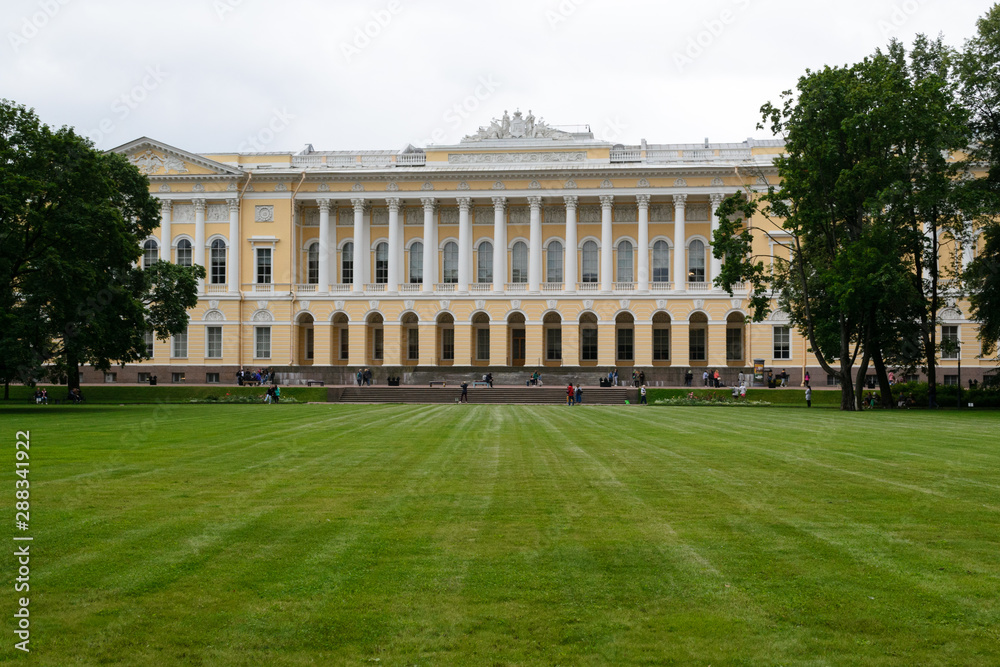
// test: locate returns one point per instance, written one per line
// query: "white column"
(499, 244)
(395, 245)
(166, 211)
(570, 270)
(715, 264)
(607, 257)
(199, 238)
(235, 243)
(324, 245)
(359, 247)
(296, 242)
(366, 248)
(535, 245)
(430, 245)
(643, 201)
(464, 243)
(680, 237)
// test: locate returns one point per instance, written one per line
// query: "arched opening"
(696, 262)
(516, 345)
(519, 263)
(416, 262)
(484, 263)
(374, 339)
(185, 256)
(735, 339)
(340, 343)
(661, 262)
(217, 263)
(450, 263)
(589, 263)
(552, 335)
(410, 339)
(445, 339)
(588, 339)
(382, 263)
(554, 263)
(625, 339)
(306, 339)
(150, 253)
(312, 264)
(480, 339)
(698, 339)
(625, 273)
(661, 339)
(347, 263)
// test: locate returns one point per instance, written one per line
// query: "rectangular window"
(211, 378)
(217, 275)
(309, 343)
(782, 343)
(262, 343)
(378, 339)
(553, 344)
(448, 344)
(697, 346)
(347, 264)
(111, 377)
(144, 377)
(832, 380)
(734, 344)
(345, 341)
(661, 344)
(213, 342)
(625, 344)
(148, 337)
(263, 266)
(180, 346)
(177, 378)
(588, 344)
(412, 344)
(951, 380)
(949, 342)
(483, 344)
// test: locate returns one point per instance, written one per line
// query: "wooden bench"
(441, 383)
(314, 382)
(480, 383)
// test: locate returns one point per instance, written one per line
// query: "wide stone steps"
(479, 395)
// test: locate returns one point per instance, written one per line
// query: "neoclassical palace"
(523, 246)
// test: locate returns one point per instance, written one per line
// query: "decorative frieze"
(517, 158)
(263, 213)
(217, 213)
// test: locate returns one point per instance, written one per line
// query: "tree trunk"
(859, 382)
(885, 389)
(6, 391)
(72, 371)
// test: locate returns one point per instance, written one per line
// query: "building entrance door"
(517, 347)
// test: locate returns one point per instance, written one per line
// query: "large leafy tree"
(72, 220)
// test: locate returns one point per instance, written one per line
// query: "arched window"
(382, 263)
(589, 266)
(347, 263)
(312, 264)
(417, 262)
(696, 262)
(625, 274)
(519, 263)
(554, 263)
(217, 261)
(150, 253)
(661, 262)
(484, 264)
(184, 256)
(450, 262)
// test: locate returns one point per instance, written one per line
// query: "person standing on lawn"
(570, 394)
(809, 395)
(642, 395)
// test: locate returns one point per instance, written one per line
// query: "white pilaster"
(166, 213)
(325, 251)
(499, 243)
(235, 242)
(430, 245)
(395, 245)
(680, 237)
(358, 284)
(199, 238)
(643, 202)
(535, 245)
(570, 267)
(607, 256)
(464, 243)
(715, 264)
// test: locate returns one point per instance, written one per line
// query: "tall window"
(378, 344)
(696, 262)
(412, 343)
(262, 343)
(484, 263)
(148, 339)
(588, 344)
(184, 253)
(661, 344)
(949, 341)
(263, 265)
(589, 266)
(213, 342)
(310, 343)
(345, 343)
(697, 345)
(150, 253)
(554, 263)
(417, 262)
(483, 344)
(553, 344)
(450, 262)
(661, 262)
(347, 263)
(217, 274)
(734, 344)
(519, 263)
(179, 348)
(382, 263)
(782, 343)
(626, 339)
(312, 264)
(448, 344)
(625, 274)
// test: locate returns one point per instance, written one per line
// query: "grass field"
(401, 535)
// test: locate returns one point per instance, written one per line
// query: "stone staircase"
(480, 395)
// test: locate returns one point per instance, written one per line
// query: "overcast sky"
(226, 75)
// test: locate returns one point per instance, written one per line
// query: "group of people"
(534, 381)
(638, 378)
(257, 377)
(779, 380)
(273, 394)
(574, 394)
(41, 396)
(363, 377)
(488, 379)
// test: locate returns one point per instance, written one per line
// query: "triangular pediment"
(157, 159)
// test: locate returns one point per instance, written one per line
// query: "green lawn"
(475, 535)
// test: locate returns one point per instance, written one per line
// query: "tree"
(72, 221)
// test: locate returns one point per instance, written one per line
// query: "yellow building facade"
(521, 247)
